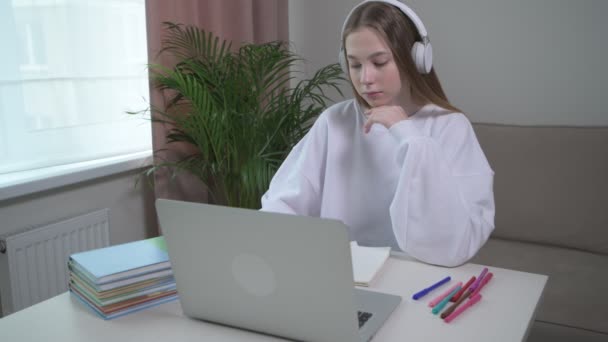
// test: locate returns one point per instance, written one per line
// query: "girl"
(399, 165)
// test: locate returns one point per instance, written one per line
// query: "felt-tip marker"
(422, 293)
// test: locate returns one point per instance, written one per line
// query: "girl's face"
(372, 68)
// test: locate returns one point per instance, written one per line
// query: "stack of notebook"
(117, 280)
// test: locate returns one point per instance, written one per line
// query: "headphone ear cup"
(423, 57)
(418, 57)
(428, 58)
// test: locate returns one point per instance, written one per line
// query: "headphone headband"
(406, 10)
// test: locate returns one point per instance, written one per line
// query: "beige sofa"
(551, 189)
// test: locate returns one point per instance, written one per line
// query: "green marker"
(445, 300)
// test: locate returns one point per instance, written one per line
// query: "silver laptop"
(278, 274)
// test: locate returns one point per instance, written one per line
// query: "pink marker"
(443, 295)
(485, 280)
(463, 307)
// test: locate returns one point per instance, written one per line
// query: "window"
(69, 72)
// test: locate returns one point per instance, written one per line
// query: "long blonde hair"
(400, 33)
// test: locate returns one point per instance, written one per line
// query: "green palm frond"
(236, 107)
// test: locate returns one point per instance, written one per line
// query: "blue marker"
(430, 288)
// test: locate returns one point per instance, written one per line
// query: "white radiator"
(37, 258)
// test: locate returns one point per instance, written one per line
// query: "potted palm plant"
(238, 108)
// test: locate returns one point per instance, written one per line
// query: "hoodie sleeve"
(443, 209)
(297, 185)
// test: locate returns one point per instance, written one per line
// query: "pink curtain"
(240, 21)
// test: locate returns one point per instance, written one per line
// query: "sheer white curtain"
(69, 71)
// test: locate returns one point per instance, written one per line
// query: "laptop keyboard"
(363, 317)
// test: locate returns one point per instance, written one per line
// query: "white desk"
(504, 314)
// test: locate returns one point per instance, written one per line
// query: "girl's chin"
(378, 103)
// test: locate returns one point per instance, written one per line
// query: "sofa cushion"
(551, 184)
(575, 294)
(543, 332)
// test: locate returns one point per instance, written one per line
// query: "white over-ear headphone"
(422, 51)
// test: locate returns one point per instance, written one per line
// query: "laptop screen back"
(284, 275)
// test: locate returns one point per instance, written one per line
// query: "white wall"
(523, 62)
(131, 209)
(131, 215)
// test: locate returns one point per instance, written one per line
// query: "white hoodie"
(423, 186)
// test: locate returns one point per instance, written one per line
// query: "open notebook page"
(367, 261)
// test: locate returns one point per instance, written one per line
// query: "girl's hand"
(384, 115)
